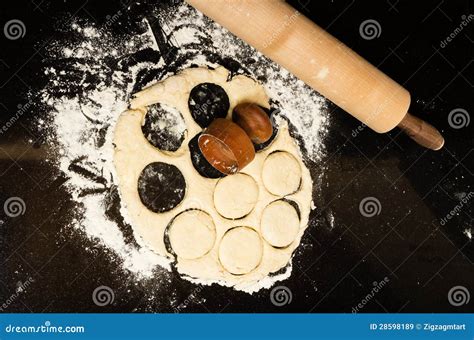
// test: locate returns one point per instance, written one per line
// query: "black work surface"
(410, 244)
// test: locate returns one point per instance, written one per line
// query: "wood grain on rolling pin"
(320, 60)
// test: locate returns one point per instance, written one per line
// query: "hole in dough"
(200, 163)
(161, 186)
(235, 196)
(192, 234)
(164, 127)
(240, 250)
(280, 223)
(281, 173)
(208, 101)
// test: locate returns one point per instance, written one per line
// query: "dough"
(281, 173)
(133, 152)
(280, 223)
(241, 250)
(235, 196)
(192, 234)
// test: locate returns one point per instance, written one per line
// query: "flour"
(91, 80)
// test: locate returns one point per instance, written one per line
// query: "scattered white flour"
(468, 233)
(90, 87)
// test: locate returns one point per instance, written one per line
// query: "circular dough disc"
(236, 195)
(280, 224)
(281, 173)
(240, 250)
(192, 234)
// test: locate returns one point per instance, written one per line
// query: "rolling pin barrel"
(290, 39)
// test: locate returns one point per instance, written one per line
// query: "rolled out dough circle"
(236, 195)
(192, 234)
(133, 152)
(281, 173)
(240, 250)
(280, 224)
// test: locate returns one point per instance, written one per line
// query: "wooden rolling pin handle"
(421, 132)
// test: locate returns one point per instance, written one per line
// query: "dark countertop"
(410, 244)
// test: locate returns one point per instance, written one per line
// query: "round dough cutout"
(240, 250)
(235, 196)
(281, 173)
(164, 127)
(192, 234)
(280, 224)
(161, 187)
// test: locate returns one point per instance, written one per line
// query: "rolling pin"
(327, 65)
